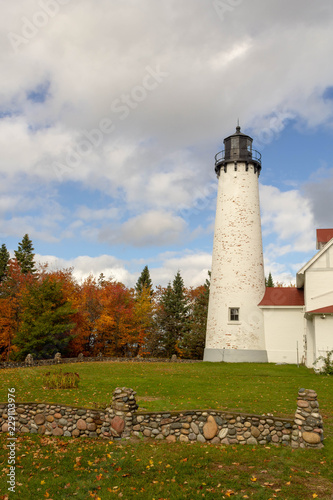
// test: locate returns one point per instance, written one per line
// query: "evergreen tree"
(193, 342)
(45, 320)
(25, 255)
(144, 281)
(269, 281)
(172, 318)
(4, 259)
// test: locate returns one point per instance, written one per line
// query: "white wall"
(284, 327)
(319, 282)
(324, 334)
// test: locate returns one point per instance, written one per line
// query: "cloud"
(84, 266)
(153, 228)
(288, 215)
(320, 194)
(193, 267)
(163, 268)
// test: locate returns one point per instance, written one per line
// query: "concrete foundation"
(235, 355)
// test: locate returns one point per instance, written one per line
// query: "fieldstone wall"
(121, 420)
(30, 361)
(215, 427)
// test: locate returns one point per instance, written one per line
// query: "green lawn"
(58, 468)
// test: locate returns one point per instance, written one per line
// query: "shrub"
(327, 368)
(61, 380)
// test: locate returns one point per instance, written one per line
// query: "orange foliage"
(116, 326)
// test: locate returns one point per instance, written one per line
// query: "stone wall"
(122, 420)
(29, 361)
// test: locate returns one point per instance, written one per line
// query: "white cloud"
(84, 266)
(153, 228)
(192, 266)
(289, 216)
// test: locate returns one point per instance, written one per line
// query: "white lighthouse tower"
(235, 329)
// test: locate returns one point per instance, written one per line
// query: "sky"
(111, 113)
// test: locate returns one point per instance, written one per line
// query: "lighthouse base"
(235, 355)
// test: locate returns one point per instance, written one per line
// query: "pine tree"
(269, 281)
(172, 318)
(4, 259)
(45, 320)
(144, 281)
(193, 342)
(25, 255)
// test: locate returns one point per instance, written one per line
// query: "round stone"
(39, 419)
(302, 404)
(41, 429)
(57, 432)
(223, 433)
(81, 425)
(4, 428)
(50, 418)
(255, 432)
(171, 438)
(311, 437)
(118, 424)
(183, 438)
(210, 428)
(76, 433)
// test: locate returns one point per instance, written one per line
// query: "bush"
(61, 380)
(327, 368)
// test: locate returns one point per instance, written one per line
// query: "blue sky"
(110, 118)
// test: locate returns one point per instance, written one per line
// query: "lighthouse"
(235, 327)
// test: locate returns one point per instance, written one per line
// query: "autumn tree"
(116, 331)
(4, 260)
(89, 309)
(25, 255)
(144, 310)
(11, 291)
(45, 320)
(8, 326)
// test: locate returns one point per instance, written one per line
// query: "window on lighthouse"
(233, 313)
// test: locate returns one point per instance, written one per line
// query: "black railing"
(236, 154)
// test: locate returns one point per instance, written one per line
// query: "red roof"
(322, 310)
(324, 235)
(283, 296)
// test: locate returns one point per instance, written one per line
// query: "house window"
(233, 313)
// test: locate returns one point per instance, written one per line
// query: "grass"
(57, 468)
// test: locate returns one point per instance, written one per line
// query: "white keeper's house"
(247, 321)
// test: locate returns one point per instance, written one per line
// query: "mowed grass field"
(59, 468)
